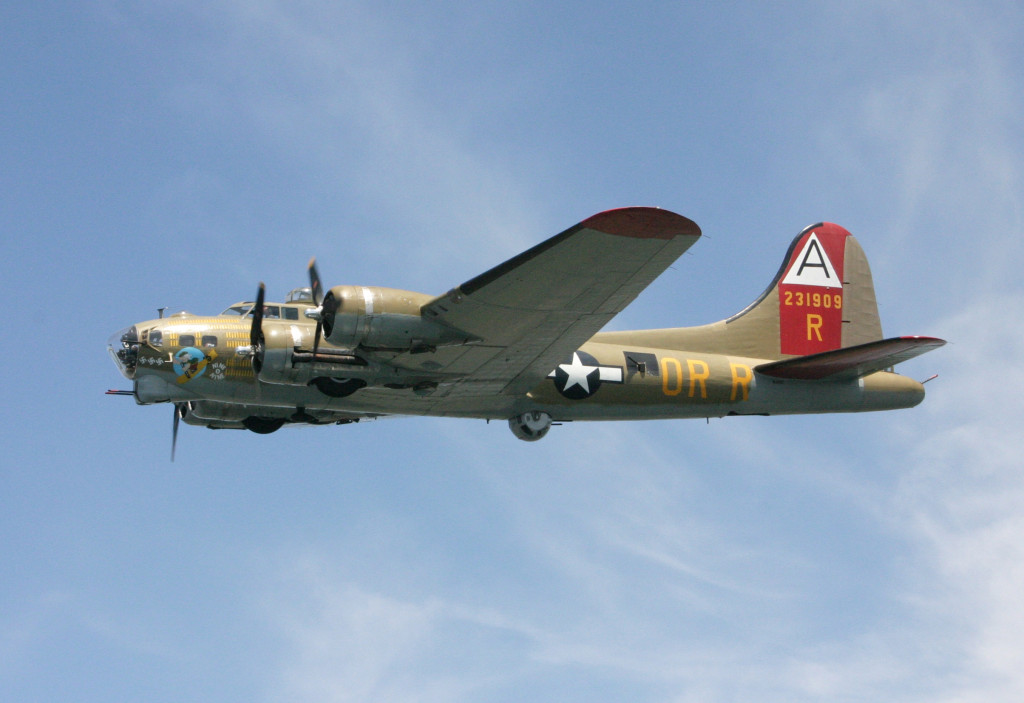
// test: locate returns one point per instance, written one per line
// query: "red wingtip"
(642, 223)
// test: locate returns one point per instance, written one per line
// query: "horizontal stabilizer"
(851, 362)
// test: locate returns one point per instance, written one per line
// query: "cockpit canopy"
(297, 299)
(271, 311)
(300, 295)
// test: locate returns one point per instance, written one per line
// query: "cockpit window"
(270, 312)
(186, 340)
(209, 340)
(156, 338)
(300, 295)
(291, 313)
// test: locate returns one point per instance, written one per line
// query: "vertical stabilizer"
(826, 295)
(822, 298)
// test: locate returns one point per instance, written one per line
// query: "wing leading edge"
(535, 309)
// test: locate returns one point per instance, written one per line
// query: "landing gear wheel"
(263, 425)
(338, 387)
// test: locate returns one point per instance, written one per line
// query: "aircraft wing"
(531, 312)
(851, 362)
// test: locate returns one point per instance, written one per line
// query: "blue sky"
(177, 153)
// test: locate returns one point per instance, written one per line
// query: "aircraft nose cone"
(123, 347)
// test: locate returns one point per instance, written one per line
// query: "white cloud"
(645, 554)
(27, 626)
(963, 502)
(346, 642)
(337, 89)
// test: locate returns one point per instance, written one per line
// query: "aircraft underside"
(598, 383)
(522, 342)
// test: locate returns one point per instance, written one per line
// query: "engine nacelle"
(281, 361)
(384, 319)
(287, 359)
(279, 344)
(530, 426)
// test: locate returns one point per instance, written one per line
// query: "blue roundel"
(580, 378)
(582, 375)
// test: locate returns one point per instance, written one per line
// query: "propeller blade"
(174, 431)
(317, 289)
(316, 337)
(256, 331)
(315, 286)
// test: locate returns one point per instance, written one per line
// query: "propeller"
(256, 331)
(327, 306)
(178, 412)
(317, 289)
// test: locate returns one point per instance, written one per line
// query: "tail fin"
(822, 299)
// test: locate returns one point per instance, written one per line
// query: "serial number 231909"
(812, 300)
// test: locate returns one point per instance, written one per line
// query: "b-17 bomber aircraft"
(522, 342)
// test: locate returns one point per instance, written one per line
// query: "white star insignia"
(577, 373)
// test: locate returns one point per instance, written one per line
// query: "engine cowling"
(530, 426)
(383, 319)
(286, 358)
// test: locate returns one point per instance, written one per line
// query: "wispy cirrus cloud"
(774, 560)
(340, 92)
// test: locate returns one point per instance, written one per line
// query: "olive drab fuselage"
(521, 343)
